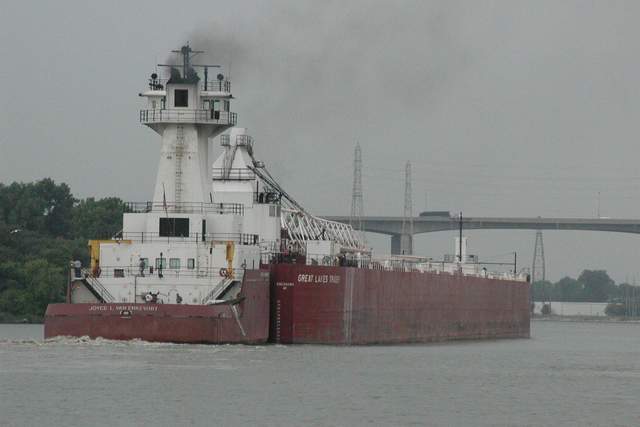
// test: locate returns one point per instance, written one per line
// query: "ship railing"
(398, 263)
(245, 239)
(267, 258)
(472, 267)
(121, 272)
(97, 286)
(210, 86)
(225, 118)
(216, 86)
(185, 207)
(233, 174)
(241, 140)
(452, 258)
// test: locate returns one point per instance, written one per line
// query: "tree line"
(42, 227)
(592, 286)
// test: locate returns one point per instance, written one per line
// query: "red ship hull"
(244, 321)
(318, 305)
(343, 305)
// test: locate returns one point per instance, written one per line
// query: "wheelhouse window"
(181, 98)
(191, 263)
(174, 263)
(174, 227)
(161, 263)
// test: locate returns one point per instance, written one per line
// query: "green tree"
(42, 228)
(597, 285)
(43, 207)
(58, 209)
(543, 290)
(615, 309)
(31, 286)
(568, 289)
(98, 218)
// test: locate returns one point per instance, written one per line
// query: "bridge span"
(392, 225)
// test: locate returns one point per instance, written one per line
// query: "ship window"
(174, 263)
(181, 98)
(145, 262)
(118, 272)
(161, 263)
(191, 263)
(174, 227)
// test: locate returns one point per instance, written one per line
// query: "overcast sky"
(504, 108)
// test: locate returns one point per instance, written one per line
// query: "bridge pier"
(401, 244)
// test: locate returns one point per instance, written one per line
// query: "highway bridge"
(392, 225)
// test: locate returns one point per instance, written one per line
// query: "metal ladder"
(97, 287)
(224, 283)
(178, 164)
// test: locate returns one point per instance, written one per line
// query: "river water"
(568, 374)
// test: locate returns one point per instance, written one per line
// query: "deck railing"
(233, 174)
(226, 118)
(211, 86)
(216, 86)
(147, 237)
(119, 272)
(397, 263)
(185, 207)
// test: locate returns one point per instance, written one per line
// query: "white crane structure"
(304, 227)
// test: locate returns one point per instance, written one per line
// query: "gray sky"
(505, 108)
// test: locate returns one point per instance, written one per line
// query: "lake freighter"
(224, 255)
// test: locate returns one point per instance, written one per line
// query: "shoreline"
(599, 319)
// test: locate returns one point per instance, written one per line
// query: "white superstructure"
(208, 221)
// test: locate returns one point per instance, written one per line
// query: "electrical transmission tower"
(537, 269)
(406, 239)
(357, 209)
